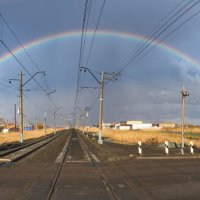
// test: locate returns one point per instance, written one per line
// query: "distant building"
(107, 125)
(167, 125)
(5, 130)
(123, 127)
(134, 122)
(141, 126)
(133, 125)
(131, 122)
(28, 127)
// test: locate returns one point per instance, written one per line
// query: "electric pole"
(36, 124)
(54, 119)
(112, 77)
(21, 113)
(87, 122)
(83, 120)
(45, 124)
(100, 141)
(21, 109)
(184, 94)
(15, 118)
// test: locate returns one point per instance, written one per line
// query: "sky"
(148, 89)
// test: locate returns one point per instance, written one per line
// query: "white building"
(133, 122)
(122, 127)
(141, 126)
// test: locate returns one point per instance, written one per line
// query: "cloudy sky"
(148, 88)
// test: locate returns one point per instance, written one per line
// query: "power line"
(148, 36)
(160, 31)
(35, 105)
(171, 32)
(21, 44)
(86, 28)
(152, 85)
(80, 55)
(84, 31)
(6, 81)
(148, 84)
(25, 69)
(95, 32)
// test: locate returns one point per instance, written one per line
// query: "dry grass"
(178, 130)
(13, 137)
(149, 137)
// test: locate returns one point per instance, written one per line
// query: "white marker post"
(191, 147)
(140, 148)
(167, 148)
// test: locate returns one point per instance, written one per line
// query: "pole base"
(21, 138)
(182, 151)
(100, 141)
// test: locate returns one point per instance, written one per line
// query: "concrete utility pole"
(83, 120)
(184, 94)
(87, 121)
(65, 123)
(54, 119)
(100, 141)
(21, 109)
(45, 124)
(54, 114)
(112, 77)
(36, 124)
(15, 117)
(21, 113)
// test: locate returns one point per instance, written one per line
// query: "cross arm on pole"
(43, 72)
(85, 68)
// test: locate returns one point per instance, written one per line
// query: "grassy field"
(150, 137)
(13, 137)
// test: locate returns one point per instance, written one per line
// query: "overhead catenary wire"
(148, 84)
(92, 43)
(80, 54)
(161, 31)
(85, 31)
(47, 88)
(21, 44)
(171, 32)
(148, 36)
(31, 102)
(6, 81)
(166, 22)
(21, 64)
(83, 38)
(157, 33)
(7, 86)
(152, 85)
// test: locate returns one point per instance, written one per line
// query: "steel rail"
(24, 146)
(101, 173)
(35, 149)
(50, 139)
(56, 177)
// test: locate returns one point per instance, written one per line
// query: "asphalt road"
(131, 178)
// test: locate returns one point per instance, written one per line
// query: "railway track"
(21, 152)
(75, 136)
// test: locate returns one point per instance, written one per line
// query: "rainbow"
(100, 33)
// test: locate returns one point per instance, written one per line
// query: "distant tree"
(2, 121)
(39, 125)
